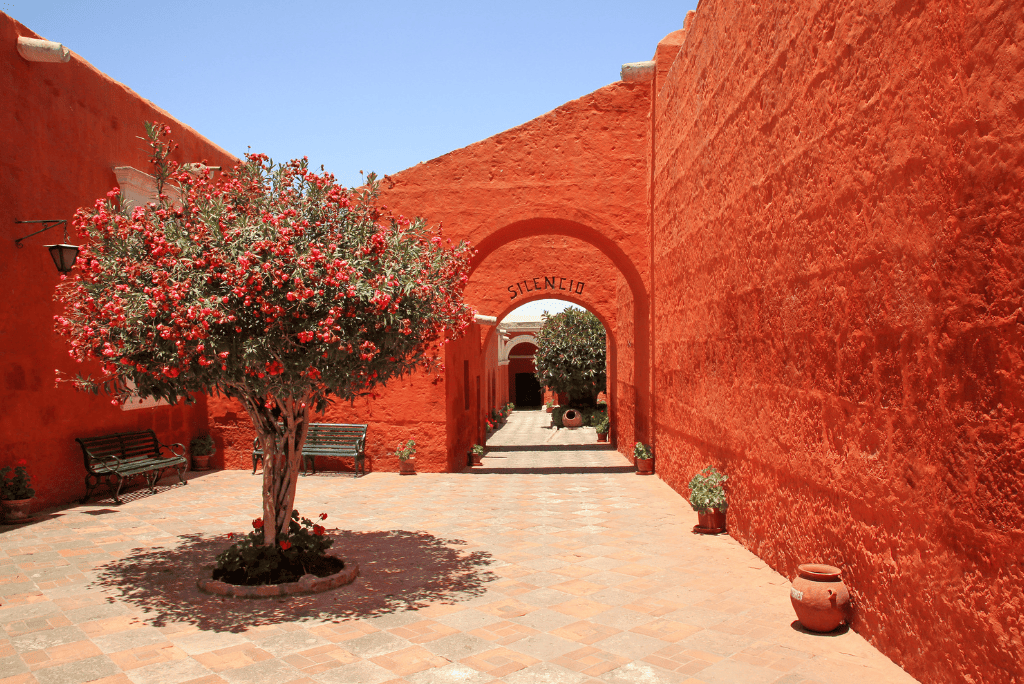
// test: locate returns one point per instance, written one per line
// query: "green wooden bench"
(330, 440)
(117, 458)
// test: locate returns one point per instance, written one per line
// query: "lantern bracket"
(47, 225)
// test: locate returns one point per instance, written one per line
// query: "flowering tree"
(570, 355)
(274, 285)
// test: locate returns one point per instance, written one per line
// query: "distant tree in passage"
(571, 355)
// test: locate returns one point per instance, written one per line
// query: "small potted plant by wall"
(549, 406)
(602, 426)
(644, 459)
(477, 454)
(406, 462)
(202, 448)
(707, 496)
(16, 492)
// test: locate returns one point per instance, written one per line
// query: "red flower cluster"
(271, 281)
(257, 523)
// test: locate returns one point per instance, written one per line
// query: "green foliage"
(17, 485)
(406, 452)
(248, 562)
(706, 490)
(202, 445)
(642, 452)
(571, 355)
(477, 449)
(602, 425)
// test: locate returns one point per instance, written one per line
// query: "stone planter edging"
(307, 584)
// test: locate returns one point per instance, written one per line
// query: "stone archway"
(500, 283)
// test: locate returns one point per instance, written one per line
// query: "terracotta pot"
(549, 409)
(710, 521)
(407, 467)
(16, 509)
(572, 419)
(645, 466)
(819, 597)
(602, 436)
(477, 458)
(201, 462)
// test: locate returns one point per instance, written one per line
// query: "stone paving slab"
(552, 563)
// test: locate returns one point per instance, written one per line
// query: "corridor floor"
(553, 563)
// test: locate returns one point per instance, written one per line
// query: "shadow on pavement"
(398, 571)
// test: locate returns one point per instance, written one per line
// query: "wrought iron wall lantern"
(64, 255)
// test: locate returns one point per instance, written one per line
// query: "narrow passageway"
(528, 443)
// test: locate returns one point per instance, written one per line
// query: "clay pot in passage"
(407, 467)
(645, 466)
(819, 597)
(572, 419)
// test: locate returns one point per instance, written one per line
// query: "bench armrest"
(180, 453)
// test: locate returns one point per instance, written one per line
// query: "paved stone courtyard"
(553, 563)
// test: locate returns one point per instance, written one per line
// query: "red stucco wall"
(63, 127)
(838, 257)
(564, 192)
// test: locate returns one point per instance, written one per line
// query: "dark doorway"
(527, 390)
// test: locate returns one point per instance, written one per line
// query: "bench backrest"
(122, 446)
(330, 435)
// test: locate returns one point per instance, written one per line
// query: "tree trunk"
(282, 452)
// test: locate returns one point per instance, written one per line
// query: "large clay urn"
(819, 597)
(572, 419)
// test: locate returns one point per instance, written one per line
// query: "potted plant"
(644, 459)
(477, 454)
(707, 496)
(406, 462)
(202, 448)
(603, 425)
(549, 406)
(15, 492)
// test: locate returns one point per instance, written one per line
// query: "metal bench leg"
(181, 472)
(91, 483)
(116, 492)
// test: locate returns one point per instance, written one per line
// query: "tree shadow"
(398, 571)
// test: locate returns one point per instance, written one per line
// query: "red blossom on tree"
(273, 285)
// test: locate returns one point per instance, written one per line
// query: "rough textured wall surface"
(63, 128)
(624, 429)
(838, 238)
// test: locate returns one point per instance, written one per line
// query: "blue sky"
(369, 86)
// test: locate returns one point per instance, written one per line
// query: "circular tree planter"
(307, 584)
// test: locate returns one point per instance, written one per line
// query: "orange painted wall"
(839, 242)
(63, 127)
(569, 187)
